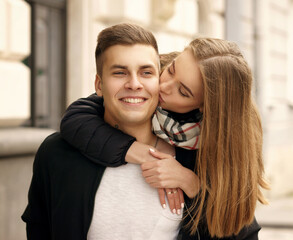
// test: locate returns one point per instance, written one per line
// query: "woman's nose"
(166, 87)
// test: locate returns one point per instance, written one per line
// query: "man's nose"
(134, 83)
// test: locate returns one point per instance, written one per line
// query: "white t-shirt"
(126, 207)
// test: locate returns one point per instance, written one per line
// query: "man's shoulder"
(55, 148)
(54, 144)
(54, 141)
(56, 153)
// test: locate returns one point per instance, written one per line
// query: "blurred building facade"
(47, 61)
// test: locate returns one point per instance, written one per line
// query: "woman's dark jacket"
(83, 127)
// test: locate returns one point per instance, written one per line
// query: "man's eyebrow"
(118, 66)
(125, 67)
(147, 66)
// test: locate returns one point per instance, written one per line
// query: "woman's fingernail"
(182, 205)
(178, 212)
(164, 206)
(152, 150)
(174, 210)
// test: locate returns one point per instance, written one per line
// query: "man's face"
(129, 84)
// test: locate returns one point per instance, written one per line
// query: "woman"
(212, 77)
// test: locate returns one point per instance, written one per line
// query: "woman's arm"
(83, 127)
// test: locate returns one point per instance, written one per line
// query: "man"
(70, 197)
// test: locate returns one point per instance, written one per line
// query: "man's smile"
(133, 99)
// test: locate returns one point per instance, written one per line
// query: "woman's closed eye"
(183, 92)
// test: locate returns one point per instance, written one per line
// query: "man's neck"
(142, 133)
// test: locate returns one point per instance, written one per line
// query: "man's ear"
(98, 85)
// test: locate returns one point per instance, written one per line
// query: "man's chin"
(136, 119)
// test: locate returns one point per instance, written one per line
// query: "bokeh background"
(47, 61)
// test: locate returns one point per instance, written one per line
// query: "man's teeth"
(133, 100)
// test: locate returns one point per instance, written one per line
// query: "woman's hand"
(167, 172)
(138, 153)
(175, 199)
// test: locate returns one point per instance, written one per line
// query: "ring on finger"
(175, 191)
(169, 193)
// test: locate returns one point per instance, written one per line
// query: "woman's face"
(181, 87)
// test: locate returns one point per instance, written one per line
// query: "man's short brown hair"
(121, 34)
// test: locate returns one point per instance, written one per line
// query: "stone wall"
(17, 150)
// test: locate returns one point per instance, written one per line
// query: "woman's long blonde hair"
(229, 163)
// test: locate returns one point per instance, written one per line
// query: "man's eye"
(146, 73)
(119, 73)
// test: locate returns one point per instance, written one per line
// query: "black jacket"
(62, 192)
(83, 127)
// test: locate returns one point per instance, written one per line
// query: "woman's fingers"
(181, 197)
(174, 199)
(173, 204)
(177, 200)
(151, 177)
(162, 197)
(158, 155)
(171, 199)
(149, 165)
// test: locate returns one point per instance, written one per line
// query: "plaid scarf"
(184, 135)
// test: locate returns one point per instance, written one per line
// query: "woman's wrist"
(190, 183)
(138, 153)
(131, 155)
